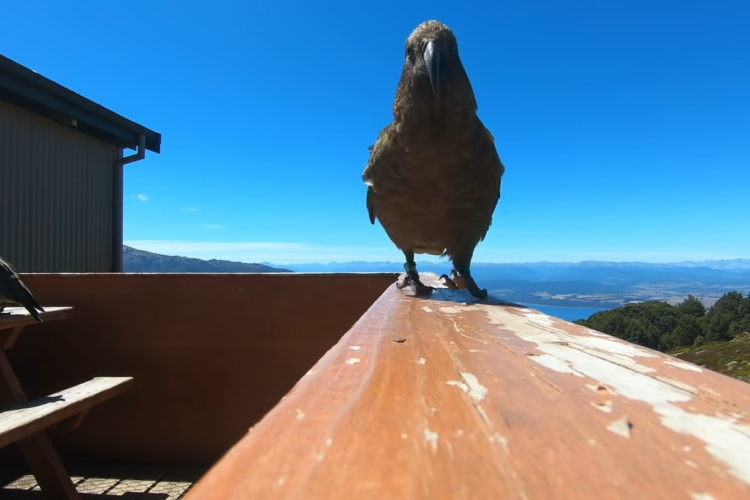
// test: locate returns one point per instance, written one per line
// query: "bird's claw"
(445, 280)
(412, 280)
(465, 282)
(475, 291)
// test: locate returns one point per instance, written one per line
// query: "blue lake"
(567, 313)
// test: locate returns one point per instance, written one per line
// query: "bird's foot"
(411, 279)
(464, 281)
(455, 282)
(474, 290)
(452, 283)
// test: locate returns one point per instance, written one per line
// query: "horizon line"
(439, 261)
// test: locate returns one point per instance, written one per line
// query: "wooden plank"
(47, 467)
(447, 398)
(36, 415)
(10, 377)
(13, 337)
(12, 317)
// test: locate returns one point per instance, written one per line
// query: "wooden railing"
(446, 398)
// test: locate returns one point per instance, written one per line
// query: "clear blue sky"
(624, 126)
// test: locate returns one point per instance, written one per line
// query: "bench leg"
(47, 467)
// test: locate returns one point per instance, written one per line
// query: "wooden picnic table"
(16, 318)
(26, 423)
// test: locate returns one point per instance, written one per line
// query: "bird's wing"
(376, 153)
(370, 208)
(496, 165)
(13, 288)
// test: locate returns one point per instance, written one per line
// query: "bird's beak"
(432, 61)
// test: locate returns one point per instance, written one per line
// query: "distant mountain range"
(140, 261)
(589, 284)
(601, 272)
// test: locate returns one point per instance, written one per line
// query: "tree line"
(662, 326)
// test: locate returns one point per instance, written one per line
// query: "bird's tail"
(34, 313)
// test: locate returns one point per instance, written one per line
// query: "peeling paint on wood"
(621, 427)
(685, 366)
(549, 409)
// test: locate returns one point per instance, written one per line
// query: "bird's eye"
(409, 54)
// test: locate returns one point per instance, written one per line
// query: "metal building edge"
(67, 216)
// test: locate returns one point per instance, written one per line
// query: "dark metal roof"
(26, 88)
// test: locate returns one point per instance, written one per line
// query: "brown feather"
(13, 291)
(434, 174)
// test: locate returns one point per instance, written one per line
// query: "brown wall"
(211, 354)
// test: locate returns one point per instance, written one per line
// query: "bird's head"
(433, 70)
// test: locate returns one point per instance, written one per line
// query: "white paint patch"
(455, 325)
(352, 361)
(618, 359)
(702, 496)
(471, 386)
(477, 391)
(727, 441)
(687, 449)
(496, 438)
(476, 350)
(404, 435)
(427, 309)
(280, 481)
(482, 414)
(432, 438)
(606, 345)
(606, 407)
(680, 385)
(454, 309)
(692, 464)
(620, 427)
(554, 363)
(460, 432)
(685, 366)
(300, 414)
(355, 347)
(470, 337)
(592, 441)
(458, 384)
(421, 361)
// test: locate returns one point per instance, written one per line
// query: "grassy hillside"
(716, 338)
(730, 358)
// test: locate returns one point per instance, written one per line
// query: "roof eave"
(42, 95)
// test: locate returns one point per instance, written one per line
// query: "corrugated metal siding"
(55, 195)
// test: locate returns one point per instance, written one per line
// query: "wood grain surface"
(447, 398)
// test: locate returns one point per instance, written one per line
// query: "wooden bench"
(38, 414)
(26, 423)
